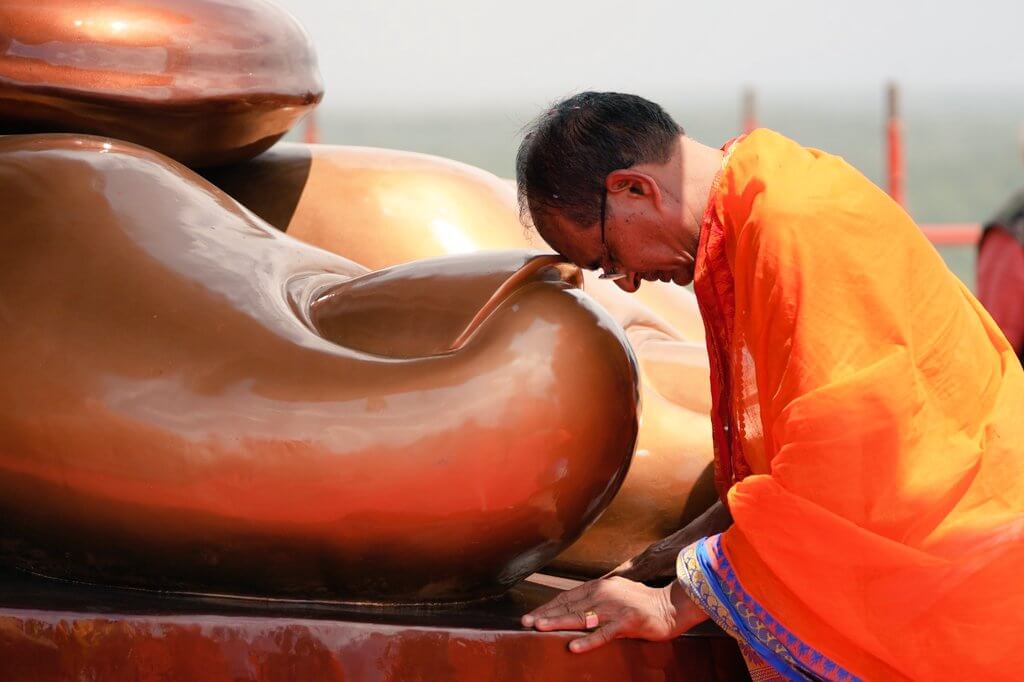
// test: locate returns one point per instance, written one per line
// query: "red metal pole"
(749, 110)
(311, 132)
(894, 138)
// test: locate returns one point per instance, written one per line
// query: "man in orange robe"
(868, 414)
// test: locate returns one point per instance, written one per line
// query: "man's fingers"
(559, 603)
(554, 607)
(595, 639)
(572, 617)
(550, 611)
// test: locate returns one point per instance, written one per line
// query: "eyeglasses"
(607, 273)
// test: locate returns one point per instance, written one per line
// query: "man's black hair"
(569, 150)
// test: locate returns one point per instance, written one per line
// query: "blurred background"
(460, 78)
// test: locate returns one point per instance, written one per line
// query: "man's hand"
(657, 563)
(621, 605)
(618, 608)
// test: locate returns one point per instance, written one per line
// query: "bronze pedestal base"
(59, 631)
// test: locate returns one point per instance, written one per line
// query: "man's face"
(643, 240)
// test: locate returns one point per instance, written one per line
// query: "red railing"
(953, 234)
(941, 234)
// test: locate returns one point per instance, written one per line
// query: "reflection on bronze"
(203, 81)
(381, 207)
(193, 401)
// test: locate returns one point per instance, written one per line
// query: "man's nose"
(629, 283)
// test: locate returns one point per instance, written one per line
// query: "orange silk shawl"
(868, 419)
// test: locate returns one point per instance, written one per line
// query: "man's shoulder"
(781, 186)
(768, 151)
(786, 172)
(769, 138)
(766, 172)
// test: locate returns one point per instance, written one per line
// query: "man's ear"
(633, 184)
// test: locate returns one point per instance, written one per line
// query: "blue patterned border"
(769, 638)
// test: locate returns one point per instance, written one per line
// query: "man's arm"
(657, 563)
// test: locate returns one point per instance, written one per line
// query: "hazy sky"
(473, 53)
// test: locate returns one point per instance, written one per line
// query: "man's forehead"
(581, 245)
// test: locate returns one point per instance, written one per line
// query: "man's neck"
(700, 166)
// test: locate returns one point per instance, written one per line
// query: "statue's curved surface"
(194, 401)
(381, 207)
(203, 81)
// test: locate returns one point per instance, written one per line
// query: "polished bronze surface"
(56, 631)
(381, 207)
(194, 401)
(203, 81)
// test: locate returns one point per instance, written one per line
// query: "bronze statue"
(196, 404)
(203, 81)
(382, 207)
(194, 401)
(193, 79)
